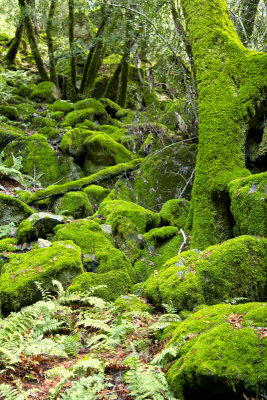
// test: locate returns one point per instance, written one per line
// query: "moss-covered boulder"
(126, 236)
(234, 269)
(159, 245)
(100, 114)
(8, 244)
(62, 105)
(143, 219)
(9, 112)
(165, 175)
(110, 106)
(38, 225)
(26, 111)
(72, 142)
(9, 133)
(46, 92)
(174, 212)
(57, 115)
(74, 204)
(61, 261)
(105, 264)
(102, 151)
(222, 353)
(96, 193)
(52, 135)
(131, 303)
(78, 116)
(249, 204)
(41, 122)
(13, 210)
(40, 160)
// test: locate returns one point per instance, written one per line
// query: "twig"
(184, 242)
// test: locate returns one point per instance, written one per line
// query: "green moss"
(26, 111)
(62, 105)
(142, 218)
(51, 134)
(8, 244)
(46, 91)
(13, 210)
(158, 235)
(61, 261)
(57, 115)
(126, 236)
(174, 212)
(163, 176)
(103, 175)
(40, 122)
(230, 360)
(102, 150)
(8, 134)
(221, 273)
(72, 141)
(40, 159)
(231, 82)
(96, 193)
(116, 282)
(9, 112)
(130, 303)
(74, 204)
(110, 106)
(249, 205)
(76, 117)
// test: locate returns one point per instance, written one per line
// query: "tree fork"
(231, 81)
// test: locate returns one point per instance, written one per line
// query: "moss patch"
(46, 91)
(74, 204)
(174, 212)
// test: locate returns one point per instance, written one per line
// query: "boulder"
(174, 212)
(74, 204)
(13, 210)
(61, 261)
(222, 353)
(249, 204)
(236, 268)
(38, 225)
(46, 92)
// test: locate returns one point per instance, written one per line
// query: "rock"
(13, 210)
(51, 134)
(103, 151)
(174, 212)
(74, 204)
(236, 268)
(108, 265)
(62, 105)
(96, 194)
(219, 354)
(106, 228)
(46, 91)
(61, 261)
(100, 114)
(249, 204)
(143, 219)
(41, 122)
(9, 112)
(42, 162)
(42, 243)
(131, 303)
(38, 225)
(126, 236)
(76, 117)
(8, 134)
(72, 142)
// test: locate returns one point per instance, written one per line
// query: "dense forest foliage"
(133, 200)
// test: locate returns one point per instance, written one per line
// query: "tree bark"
(231, 81)
(50, 44)
(72, 46)
(32, 40)
(248, 15)
(11, 54)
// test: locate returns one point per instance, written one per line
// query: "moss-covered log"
(231, 82)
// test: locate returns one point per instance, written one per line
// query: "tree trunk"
(123, 82)
(112, 81)
(248, 15)
(32, 40)
(90, 56)
(50, 44)
(95, 64)
(72, 47)
(11, 54)
(231, 81)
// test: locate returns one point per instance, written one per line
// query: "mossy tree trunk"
(11, 54)
(231, 82)
(25, 11)
(113, 80)
(91, 54)
(50, 43)
(72, 46)
(248, 15)
(123, 82)
(96, 62)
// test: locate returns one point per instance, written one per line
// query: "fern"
(164, 321)
(46, 296)
(166, 356)
(85, 388)
(146, 381)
